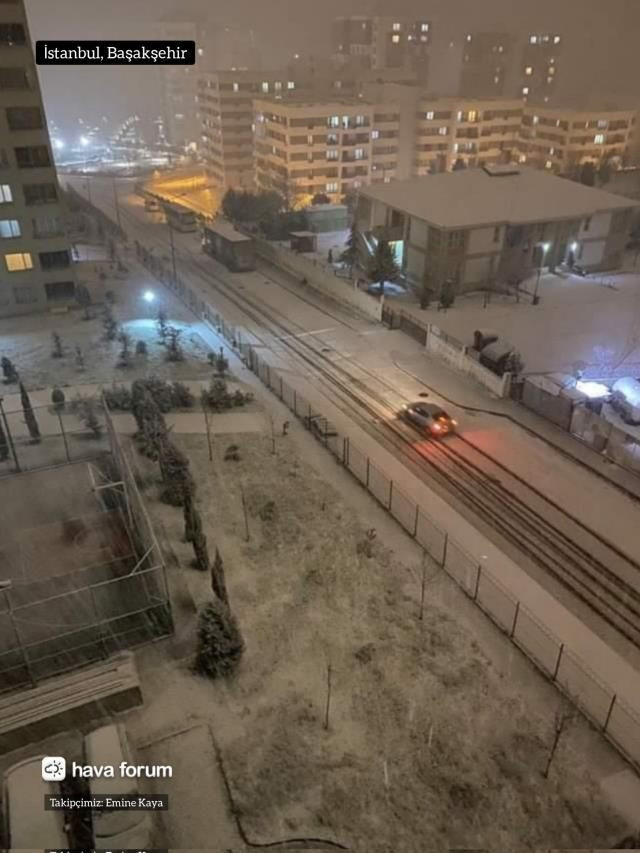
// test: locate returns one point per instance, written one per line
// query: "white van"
(115, 829)
(625, 399)
(27, 825)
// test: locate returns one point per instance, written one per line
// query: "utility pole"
(173, 253)
(117, 205)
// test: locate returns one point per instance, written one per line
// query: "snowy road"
(374, 359)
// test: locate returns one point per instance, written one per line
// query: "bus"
(180, 218)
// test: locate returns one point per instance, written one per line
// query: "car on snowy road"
(429, 418)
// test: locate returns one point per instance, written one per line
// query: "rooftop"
(515, 194)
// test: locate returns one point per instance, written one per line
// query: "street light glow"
(546, 247)
(148, 296)
(84, 141)
(574, 247)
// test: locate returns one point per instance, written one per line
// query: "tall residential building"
(331, 147)
(486, 65)
(464, 132)
(537, 80)
(225, 104)
(563, 139)
(35, 268)
(383, 42)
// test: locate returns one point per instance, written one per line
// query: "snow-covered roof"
(516, 195)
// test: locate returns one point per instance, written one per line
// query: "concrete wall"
(598, 227)
(457, 358)
(418, 232)
(480, 241)
(318, 278)
(477, 270)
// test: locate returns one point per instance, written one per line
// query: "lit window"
(360, 120)
(536, 119)
(549, 81)
(552, 60)
(332, 187)
(599, 138)
(525, 90)
(5, 193)
(455, 147)
(18, 262)
(358, 154)
(333, 121)
(387, 179)
(548, 164)
(443, 131)
(332, 154)
(277, 86)
(9, 228)
(395, 39)
(552, 151)
(460, 116)
(375, 134)
(291, 85)
(522, 158)
(424, 28)
(496, 79)
(533, 40)
(528, 70)
(556, 39)
(430, 115)
(468, 38)
(500, 48)
(265, 87)
(551, 70)
(396, 27)
(472, 115)
(200, 51)
(236, 88)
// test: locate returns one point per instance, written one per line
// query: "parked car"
(115, 829)
(625, 399)
(429, 418)
(27, 826)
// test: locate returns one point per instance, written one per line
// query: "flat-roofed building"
(562, 139)
(483, 227)
(36, 270)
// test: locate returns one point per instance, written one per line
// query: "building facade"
(494, 226)
(562, 139)
(537, 79)
(383, 42)
(487, 65)
(334, 148)
(36, 266)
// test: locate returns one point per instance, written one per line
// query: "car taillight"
(437, 427)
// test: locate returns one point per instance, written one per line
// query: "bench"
(69, 701)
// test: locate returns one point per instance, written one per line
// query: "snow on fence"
(456, 355)
(319, 278)
(619, 723)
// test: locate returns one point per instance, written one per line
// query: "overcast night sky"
(599, 39)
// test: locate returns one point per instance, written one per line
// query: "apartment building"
(464, 132)
(36, 266)
(486, 67)
(563, 139)
(332, 147)
(383, 41)
(537, 78)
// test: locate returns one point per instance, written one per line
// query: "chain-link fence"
(619, 723)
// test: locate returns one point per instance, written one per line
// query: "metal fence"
(63, 435)
(619, 723)
(115, 596)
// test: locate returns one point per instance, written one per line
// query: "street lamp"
(544, 248)
(148, 296)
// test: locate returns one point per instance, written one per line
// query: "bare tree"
(564, 717)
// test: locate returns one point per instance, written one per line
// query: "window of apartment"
(396, 27)
(47, 226)
(24, 118)
(358, 154)
(375, 134)
(473, 115)
(599, 138)
(5, 194)
(332, 154)
(429, 115)
(29, 156)
(556, 39)
(496, 234)
(528, 70)
(277, 86)
(25, 295)
(58, 291)
(468, 38)
(333, 121)
(496, 79)
(536, 119)
(525, 90)
(9, 228)
(54, 260)
(345, 122)
(235, 87)
(395, 39)
(602, 124)
(549, 81)
(548, 164)
(459, 115)
(332, 139)
(11, 34)
(424, 28)
(291, 85)
(40, 193)
(551, 70)
(18, 261)
(443, 131)
(14, 78)
(522, 158)
(360, 120)
(264, 86)
(533, 40)
(332, 187)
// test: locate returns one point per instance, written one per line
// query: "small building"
(327, 217)
(303, 241)
(495, 225)
(234, 249)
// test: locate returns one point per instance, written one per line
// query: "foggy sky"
(599, 39)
